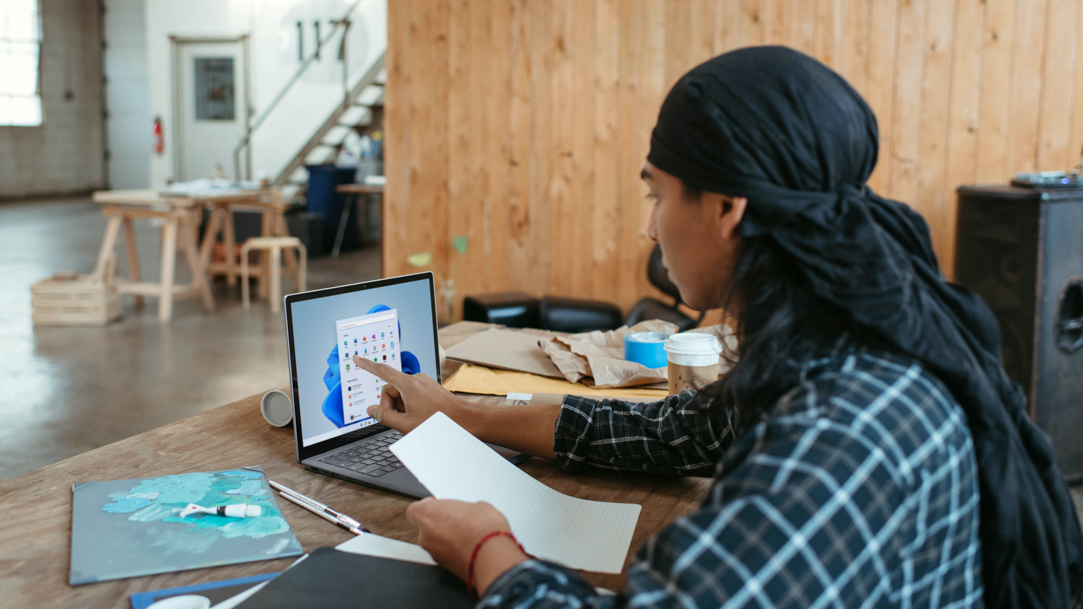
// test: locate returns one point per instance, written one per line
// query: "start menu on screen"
(374, 337)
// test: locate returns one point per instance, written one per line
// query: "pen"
(315, 506)
(327, 517)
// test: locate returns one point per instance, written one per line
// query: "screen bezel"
(304, 452)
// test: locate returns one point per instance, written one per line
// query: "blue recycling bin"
(323, 199)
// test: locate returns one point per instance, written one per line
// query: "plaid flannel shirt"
(858, 490)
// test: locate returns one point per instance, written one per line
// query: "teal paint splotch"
(182, 488)
(152, 512)
(240, 473)
(126, 505)
(248, 487)
(160, 500)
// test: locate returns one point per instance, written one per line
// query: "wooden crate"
(82, 301)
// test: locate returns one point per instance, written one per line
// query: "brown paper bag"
(600, 354)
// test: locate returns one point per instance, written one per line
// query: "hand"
(408, 399)
(450, 530)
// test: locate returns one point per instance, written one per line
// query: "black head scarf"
(783, 130)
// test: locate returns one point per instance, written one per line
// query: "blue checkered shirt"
(859, 489)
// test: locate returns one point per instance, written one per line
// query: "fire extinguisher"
(159, 137)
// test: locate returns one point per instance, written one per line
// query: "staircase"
(361, 103)
(354, 114)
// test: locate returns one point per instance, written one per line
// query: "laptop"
(392, 321)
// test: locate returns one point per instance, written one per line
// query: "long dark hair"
(781, 325)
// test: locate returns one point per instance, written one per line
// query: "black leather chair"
(652, 308)
(512, 309)
(576, 315)
(518, 310)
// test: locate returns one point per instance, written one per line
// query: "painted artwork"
(142, 526)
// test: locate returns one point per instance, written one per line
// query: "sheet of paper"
(385, 547)
(582, 534)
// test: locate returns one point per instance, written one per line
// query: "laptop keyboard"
(371, 458)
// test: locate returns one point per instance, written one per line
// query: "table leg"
(199, 272)
(112, 229)
(266, 230)
(302, 265)
(210, 236)
(169, 259)
(133, 257)
(231, 247)
(347, 204)
(244, 276)
(282, 230)
(276, 279)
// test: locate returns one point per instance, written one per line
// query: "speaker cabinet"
(1021, 250)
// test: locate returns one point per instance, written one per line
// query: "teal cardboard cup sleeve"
(646, 348)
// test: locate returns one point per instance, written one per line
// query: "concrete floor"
(66, 390)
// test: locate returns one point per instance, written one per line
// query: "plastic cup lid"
(647, 337)
(693, 343)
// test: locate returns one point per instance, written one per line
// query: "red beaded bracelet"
(473, 556)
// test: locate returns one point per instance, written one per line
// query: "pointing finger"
(383, 371)
(385, 415)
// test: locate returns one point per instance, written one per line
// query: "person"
(867, 448)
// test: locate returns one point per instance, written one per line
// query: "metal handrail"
(247, 138)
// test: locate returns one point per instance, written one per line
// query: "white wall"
(64, 154)
(128, 121)
(271, 26)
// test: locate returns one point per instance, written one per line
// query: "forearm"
(526, 428)
(666, 437)
(494, 559)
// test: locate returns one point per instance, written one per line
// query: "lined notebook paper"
(385, 547)
(582, 534)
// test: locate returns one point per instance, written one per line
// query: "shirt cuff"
(533, 580)
(573, 432)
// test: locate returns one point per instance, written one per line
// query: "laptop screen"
(389, 321)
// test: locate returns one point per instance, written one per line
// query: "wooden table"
(273, 224)
(182, 216)
(352, 191)
(182, 213)
(35, 538)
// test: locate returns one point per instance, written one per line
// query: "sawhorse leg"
(169, 261)
(283, 230)
(112, 230)
(133, 257)
(199, 272)
(230, 239)
(210, 237)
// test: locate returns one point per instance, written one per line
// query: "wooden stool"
(272, 209)
(274, 245)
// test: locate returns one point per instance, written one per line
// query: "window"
(20, 52)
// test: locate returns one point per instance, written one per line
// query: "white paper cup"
(276, 408)
(692, 361)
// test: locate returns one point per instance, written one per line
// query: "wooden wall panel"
(522, 124)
